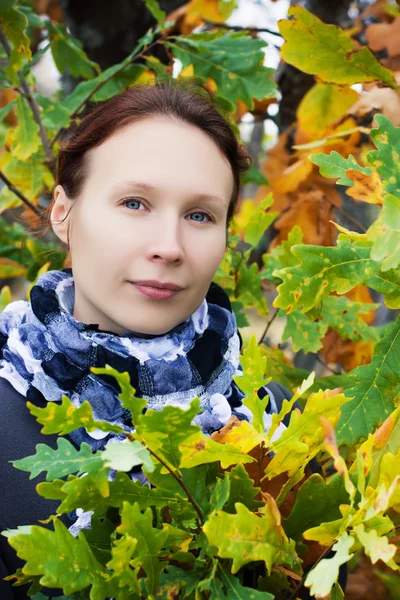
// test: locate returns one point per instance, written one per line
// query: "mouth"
(156, 293)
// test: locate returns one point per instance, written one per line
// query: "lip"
(157, 284)
(155, 293)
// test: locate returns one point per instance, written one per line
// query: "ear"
(58, 216)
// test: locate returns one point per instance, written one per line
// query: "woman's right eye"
(132, 201)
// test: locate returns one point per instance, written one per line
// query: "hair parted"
(187, 101)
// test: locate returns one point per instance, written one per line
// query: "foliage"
(221, 508)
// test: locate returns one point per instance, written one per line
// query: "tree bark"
(108, 31)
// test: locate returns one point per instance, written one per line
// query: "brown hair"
(188, 101)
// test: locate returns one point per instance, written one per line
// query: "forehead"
(162, 151)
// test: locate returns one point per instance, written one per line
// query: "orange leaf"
(367, 188)
(345, 352)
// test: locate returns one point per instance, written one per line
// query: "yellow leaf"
(377, 548)
(292, 176)
(323, 104)
(367, 188)
(304, 437)
(338, 462)
(243, 436)
(186, 72)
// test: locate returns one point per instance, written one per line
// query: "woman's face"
(153, 207)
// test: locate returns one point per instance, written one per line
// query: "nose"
(166, 243)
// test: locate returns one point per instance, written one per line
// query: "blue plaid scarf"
(46, 352)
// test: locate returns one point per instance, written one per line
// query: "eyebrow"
(147, 187)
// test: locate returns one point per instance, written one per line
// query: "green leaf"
(281, 371)
(323, 270)
(234, 61)
(127, 396)
(26, 133)
(125, 570)
(65, 417)
(327, 51)
(95, 492)
(165, 430)
(33, 19)
(306, 334)
(335, 165)
(29, 177)
(242, 490)
(321, 578)
(375, 390)
(339, 313)
(86, 88)
(61, 462)
(385, 159)
(220, 494)
(281, 256)
(138, 525)
(61, 559)
(156, 11)
(249, 290)
(259, 221)
(245, 537)
(385, 234)
(236, 591)
(343, 316)
(388, 284)
(324, 497)
(253, 379)
(4, 111)
(119, 82)
(253, 175)
(123, 456)
(68, 52)
(14, 23)
(10, 269)
(5, 297)
(54, 115)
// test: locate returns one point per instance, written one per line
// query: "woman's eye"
(131, 201)
(199, 217)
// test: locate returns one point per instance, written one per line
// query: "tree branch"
(103, 82)
(239, 28)
(181, 483)
(272, 319)
(26, 91)
(20, 194)
(293, 595)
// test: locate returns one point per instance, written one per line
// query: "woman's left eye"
(201, 214)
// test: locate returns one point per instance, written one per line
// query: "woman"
(146, 186)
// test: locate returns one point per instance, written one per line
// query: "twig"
(181, 483)
(323, 363)
(260, 466)
(103, 82)
(272, 319)
(347, 215)
(240, 28)
(293, 595)
(20, 194)
(26, 91)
